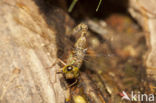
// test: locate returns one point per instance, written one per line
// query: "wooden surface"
(144, 11)
(27, 48)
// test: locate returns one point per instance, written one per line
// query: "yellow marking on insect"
(70, 72)
(79, 99)
(68, 96)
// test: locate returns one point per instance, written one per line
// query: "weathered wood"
(27, 48)
(145, 13)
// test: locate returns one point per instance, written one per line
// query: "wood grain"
(27, 48)
(144, 12)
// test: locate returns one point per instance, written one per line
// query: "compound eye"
(69, 68)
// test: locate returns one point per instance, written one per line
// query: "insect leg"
(62, 62)
(76, 81)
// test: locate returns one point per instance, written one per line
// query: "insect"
(70, 69)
